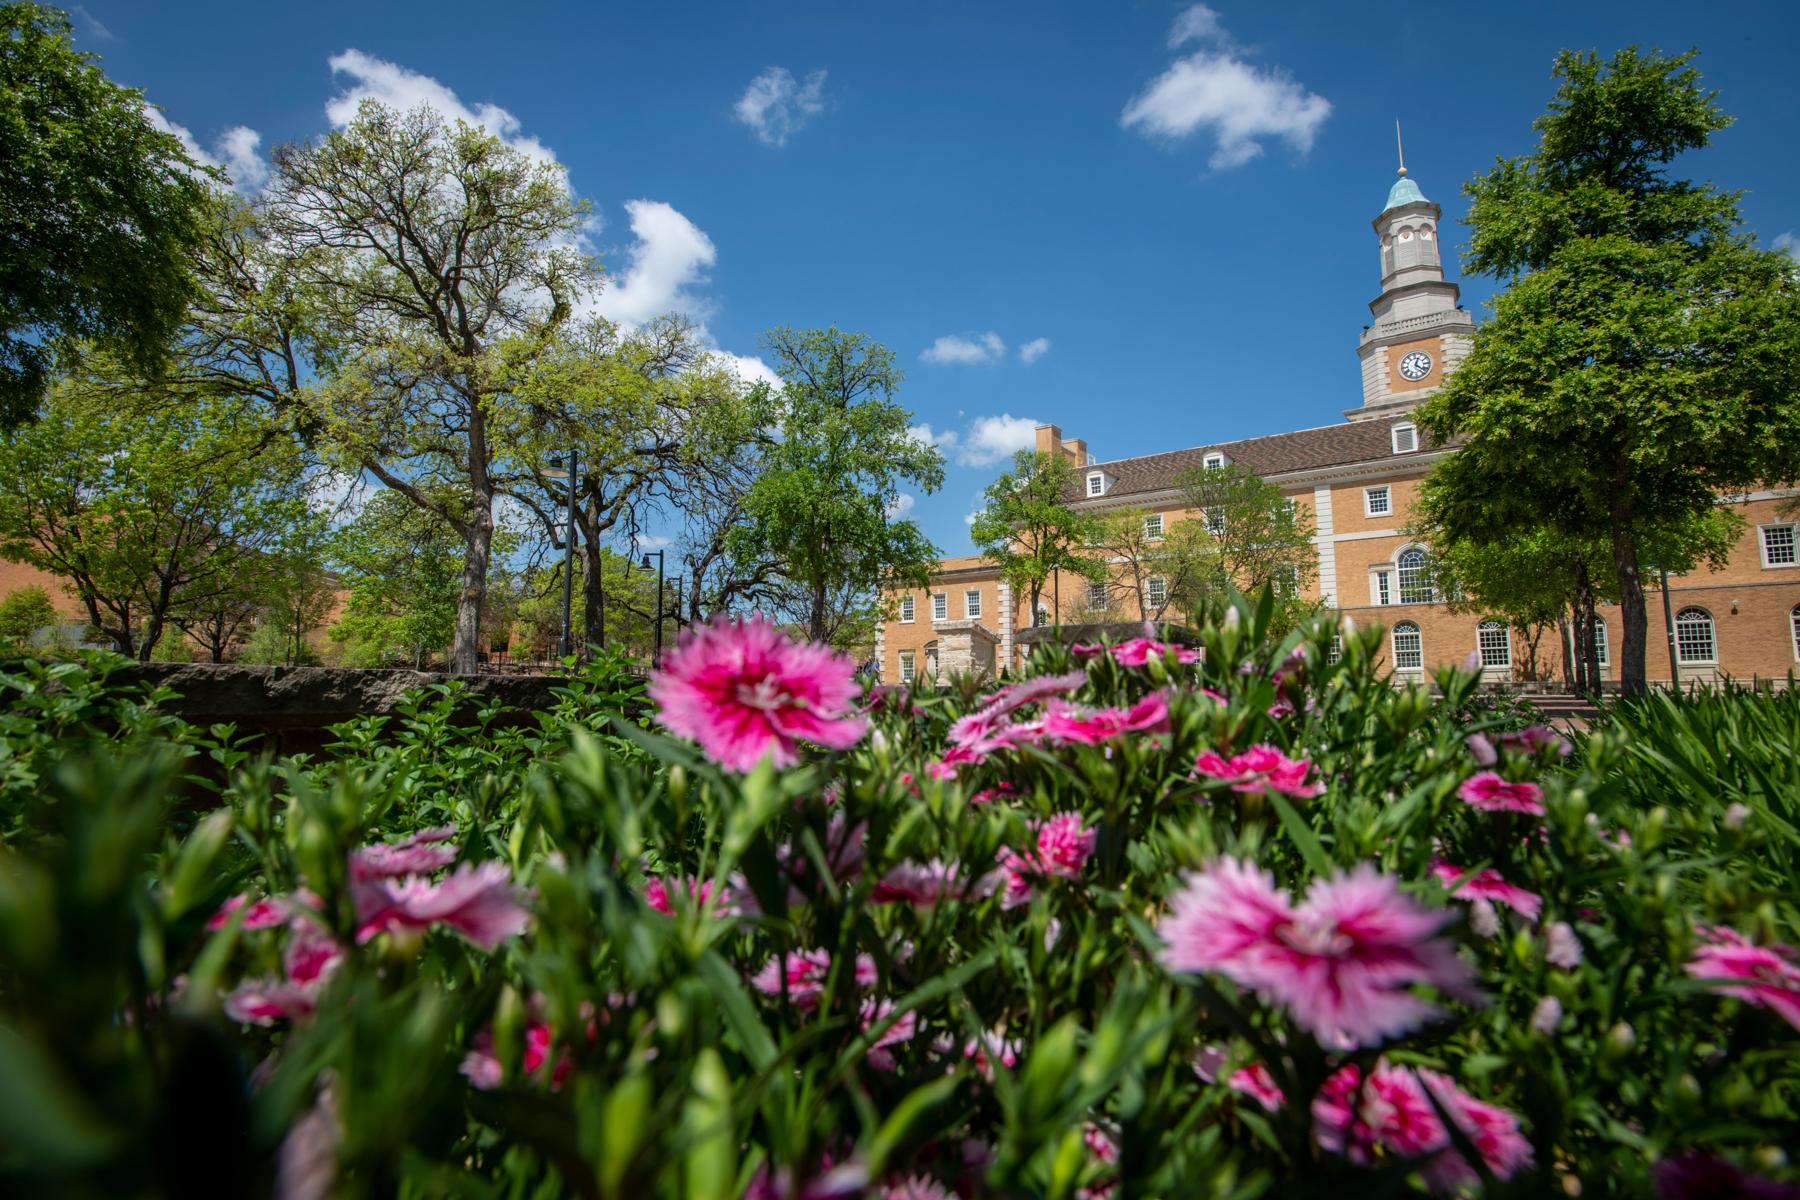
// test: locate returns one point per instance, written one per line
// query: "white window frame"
(1712, 638)
(1214, 516)
(1411, 628)
(1794, 628)
(1101, 591)
(1381, 587)
(1153, 527)
(1602, 643)
(908, 610)
(1156, 592)
(940, 607)
(1096, 483)
(908, 666)
(1214, 460)
(1423, 585)
(1412, 437)
(1486, 644)
(1386, 492)
(1793, 534)
(972, 603)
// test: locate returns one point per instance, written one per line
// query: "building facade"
(1357, 479)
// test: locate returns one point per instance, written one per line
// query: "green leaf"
(1305, 840)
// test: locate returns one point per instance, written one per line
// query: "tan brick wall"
(14, 576)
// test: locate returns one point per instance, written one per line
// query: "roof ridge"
(1233, 442)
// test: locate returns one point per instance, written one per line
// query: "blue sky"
(1147, 222)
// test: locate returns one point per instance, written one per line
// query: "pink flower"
(1490, 793)
(657, 894)
(991, 1048)
(1255, 1082)
(806, 972)
(1481, 749)
(311, 957)
(1762, 975)
(941, 771)
(1486, 884)
(1000, 791)
(904, 1029)
(1261, 768)
(923, 884)
(1561, 947)
(1392, 1114)
(417, 855)
(1032, 691)
(1067, 723)
(1016, 874)
(1341, 963)
(1137, 651)
(481, 1065)
(1064, 845)
(744, 691)
(267, 913)
(917, 1187)
(476, 901)
(1535, 738)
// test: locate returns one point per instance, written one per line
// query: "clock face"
(1415, 366)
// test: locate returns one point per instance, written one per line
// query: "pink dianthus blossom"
(268, 913)
(420, 854)
(1261, 768)
(1392, 1114)
(923, 884)
(744, 691)
(904, 1029)
(478, 901)
(1032, 691)
(1341, 963)
(1255, 1082)
(1064, 845)
(1490, 793)
(917, 1187)
(1136, 652)
(1535, 738)
(311, 957)
(1487, 884)
(1067, 723)
(658, 893)
(806, 972)
(1762, 975)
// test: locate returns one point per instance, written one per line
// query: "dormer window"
(1406, 439)
(1096, 483)
(1214, 460)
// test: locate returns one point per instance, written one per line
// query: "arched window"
(1415, 577)
(1694, 636)
(1494, 640)
(1601, 650)
(1409, 647)
(1794, 619)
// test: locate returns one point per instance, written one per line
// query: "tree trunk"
(816, 629)
(1632, 616)
(593, 595)
(1567, 629)
(465, 652)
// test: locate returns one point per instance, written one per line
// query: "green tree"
(1242, 533)
(1132, 548)
(23, 612)
(1028, 527)
(1644, 356)
(429, 254)
(146, 514)
(820, 506)
(402, 566)
(100, 213)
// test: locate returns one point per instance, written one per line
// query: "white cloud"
(233, 152)
(749, 368)
(371, 78)
(670, 255)
(93, 24)
(979, 349)
(903, 504)
(775, 105)
(991, 439)
(649, 541)
(1788, 242)
(1197, 24)
(1238, 104)
(1033, 350)
(925, 433)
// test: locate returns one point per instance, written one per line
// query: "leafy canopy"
(100, 213)
(1029, 528)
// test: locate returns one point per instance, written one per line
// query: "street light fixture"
(557, 470)
(656, 658)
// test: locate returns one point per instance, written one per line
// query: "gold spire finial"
(1401, 149)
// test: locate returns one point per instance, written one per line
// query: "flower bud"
(1736, 816)
(1561, 947)
(1619, 1042)
(1483, 919)
(1547, 1015)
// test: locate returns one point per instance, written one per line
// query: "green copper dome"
(1404, 191)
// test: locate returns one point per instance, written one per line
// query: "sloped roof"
(1278, 454)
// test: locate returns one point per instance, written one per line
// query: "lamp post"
(1669, 624)
(656, 658)
(556, 470)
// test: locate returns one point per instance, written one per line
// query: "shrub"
(23, 612)
(1257, 923)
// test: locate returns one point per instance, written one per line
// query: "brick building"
(1356, 478)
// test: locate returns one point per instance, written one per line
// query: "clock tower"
(1419, 334)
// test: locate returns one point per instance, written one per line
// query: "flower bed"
(1146, 923)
